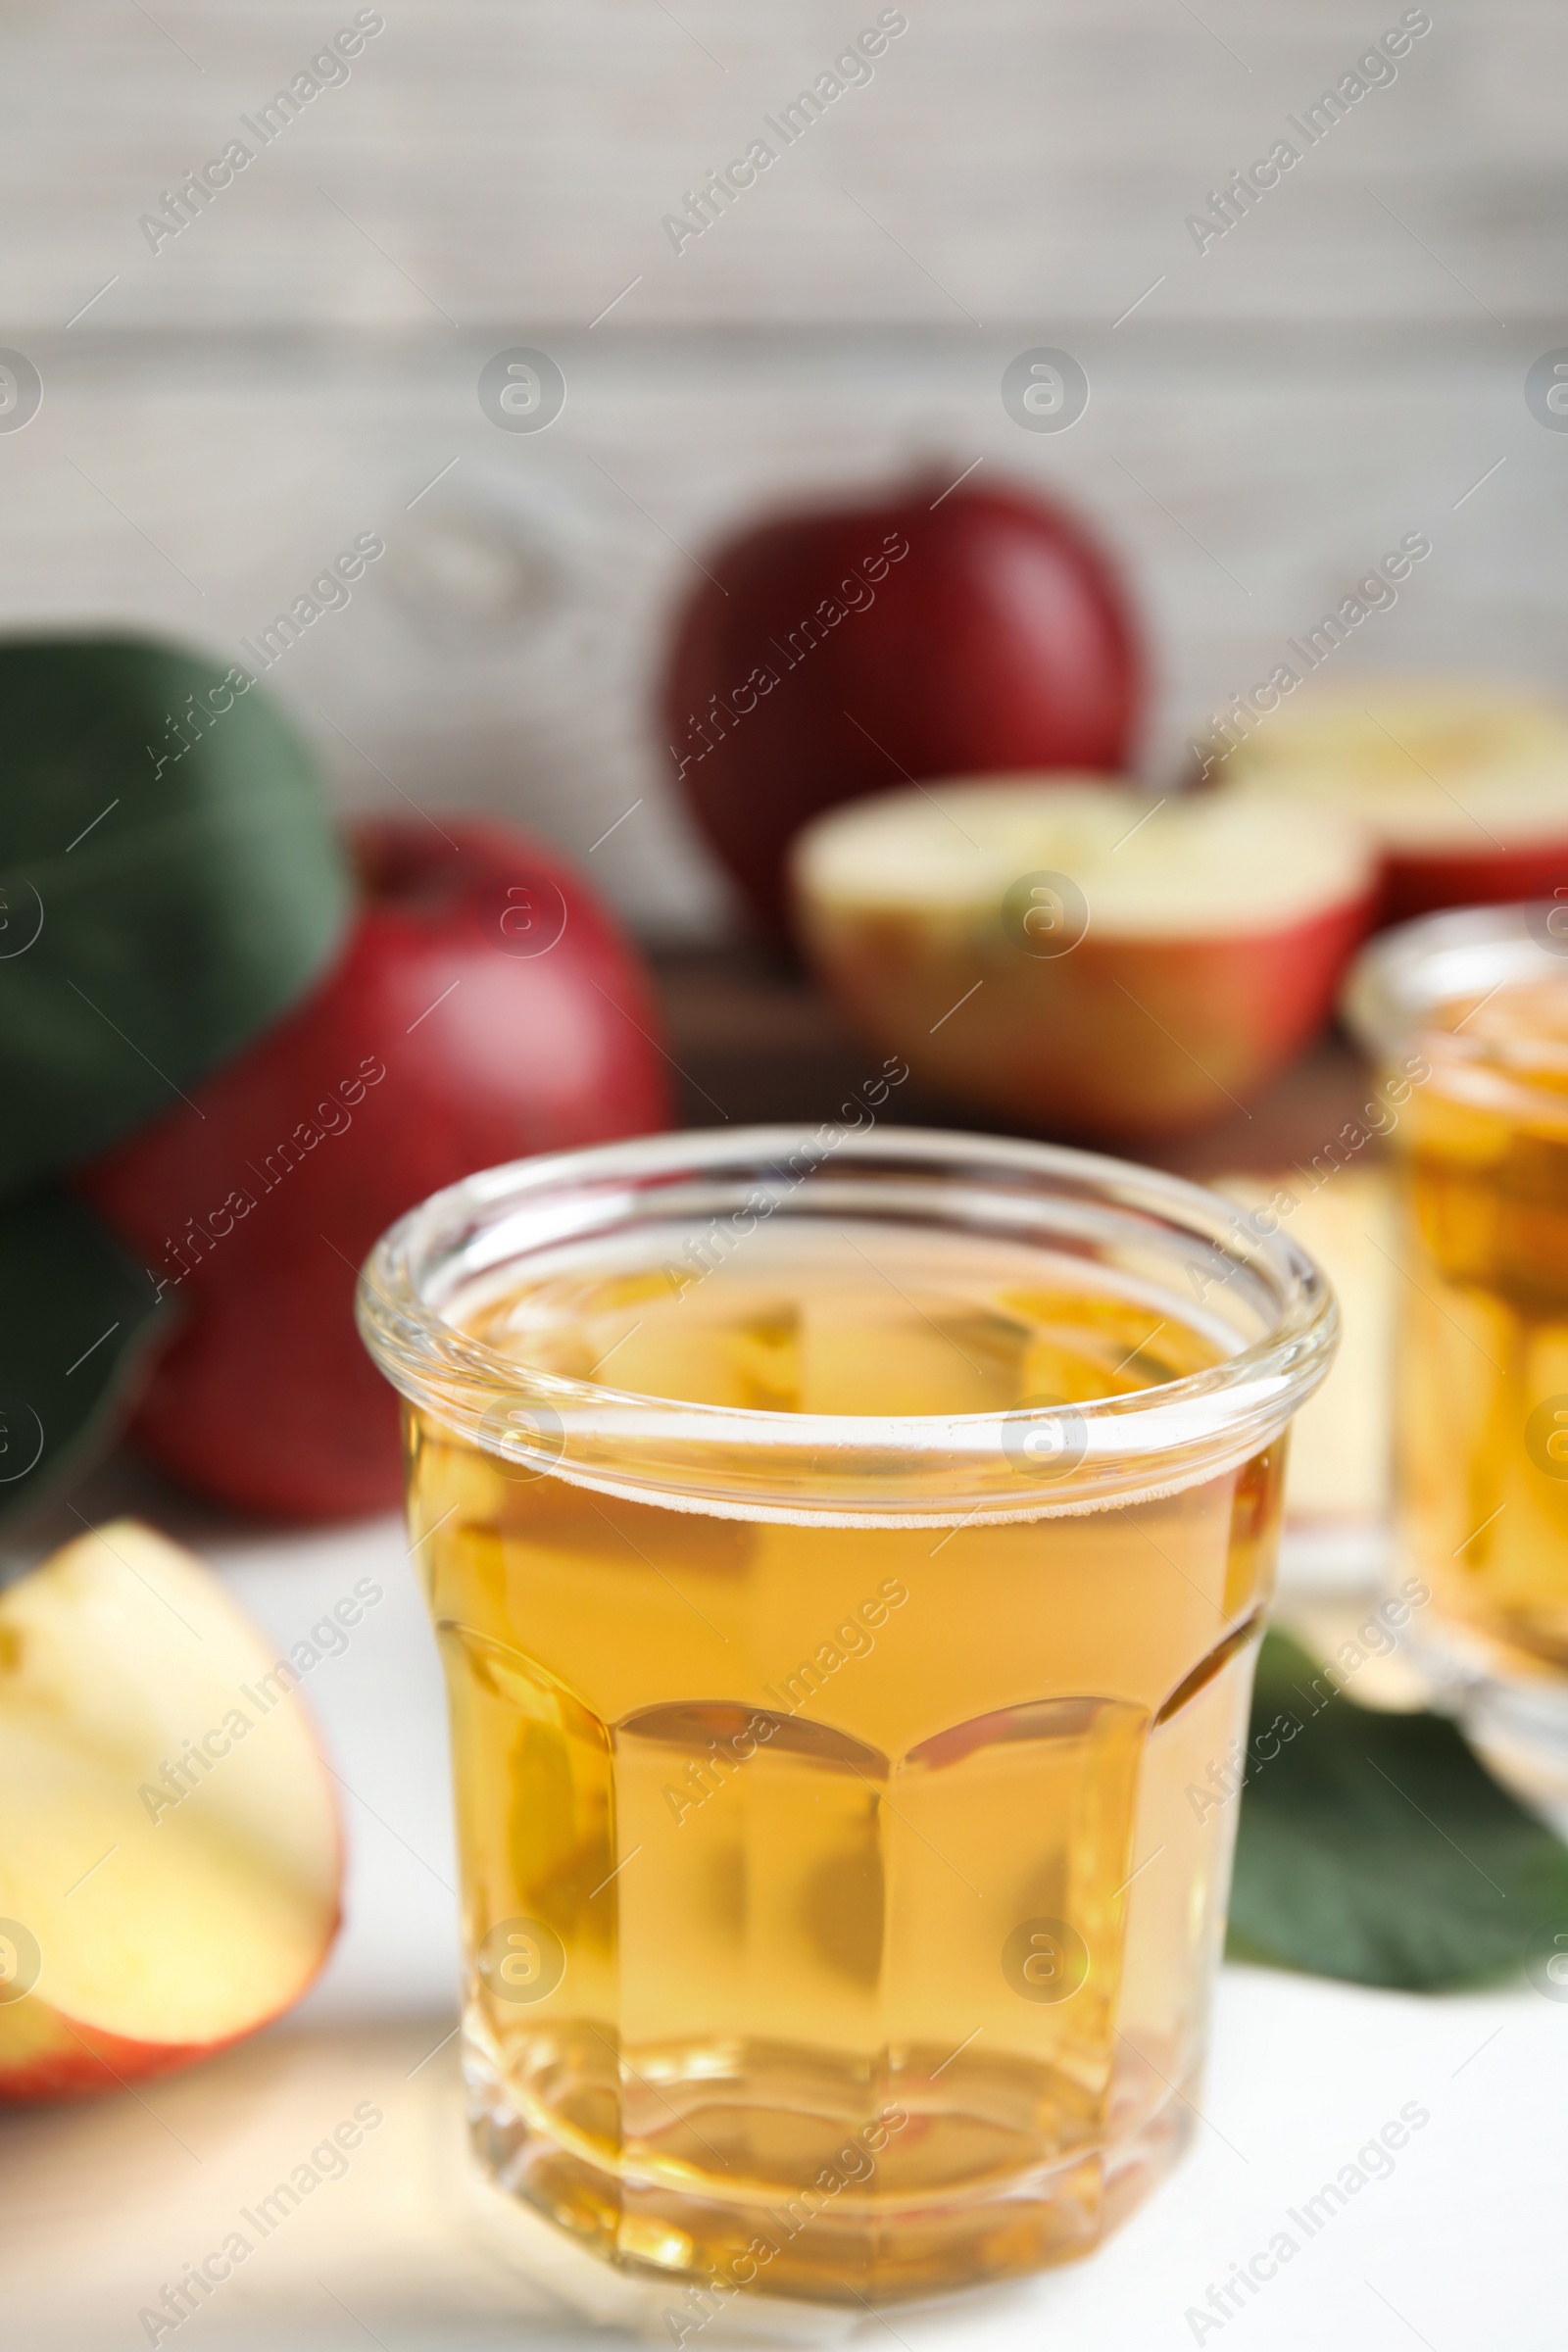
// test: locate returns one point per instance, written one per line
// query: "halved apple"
(1465, 786)
(1079, 958)
(170, 1851)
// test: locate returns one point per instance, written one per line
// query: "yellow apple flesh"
(170, 1849)
(1465, 786)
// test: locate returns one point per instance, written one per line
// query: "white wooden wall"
(296, 365)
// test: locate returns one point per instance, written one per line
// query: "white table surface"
(1463, 2245)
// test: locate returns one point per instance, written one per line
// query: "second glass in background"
(1467, 1013)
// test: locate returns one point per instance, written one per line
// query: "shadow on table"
(310, 2189)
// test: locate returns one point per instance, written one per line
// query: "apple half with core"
(170, 1851)
(942, 628)
(1085, 960)
(1465, 787)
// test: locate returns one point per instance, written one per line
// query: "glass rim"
(1402, 977)
(1025, 1461)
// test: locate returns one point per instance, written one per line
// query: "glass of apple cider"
(847, 1551)
(1471, 1010)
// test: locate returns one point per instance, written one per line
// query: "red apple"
(1086, 961)
(485, 1008)
(1465, 786)
(933, 632)
(170, 1850)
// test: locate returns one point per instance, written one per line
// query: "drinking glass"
(1467, 1014)
(848, 1550)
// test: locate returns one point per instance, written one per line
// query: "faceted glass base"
(665, 2223)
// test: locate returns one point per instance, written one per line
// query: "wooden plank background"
(222, 416)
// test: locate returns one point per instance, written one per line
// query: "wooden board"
(300, 364)
(502, 654)
(502, 160)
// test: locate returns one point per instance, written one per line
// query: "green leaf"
(170, 883)
(1377, 1849)
(80, 1316)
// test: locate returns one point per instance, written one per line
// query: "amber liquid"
(1483, 1386)
(844, 1911)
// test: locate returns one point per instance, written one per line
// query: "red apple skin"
(1416, 885)
(74, 2061)
(1122, 1041)
(84, 2065)
(1000, 640)
(266, 1398)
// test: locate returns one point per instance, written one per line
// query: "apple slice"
(1466, 787)
(170, 1851)
(1081, 959)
